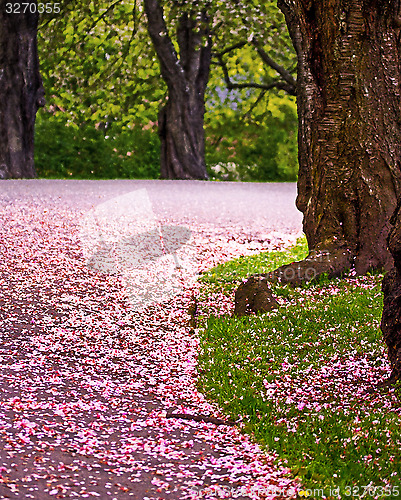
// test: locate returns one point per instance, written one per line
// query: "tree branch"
(120, 57)
(285, 74)
(289, 84)
(253, 105)
(278, 84)
(238, 45)
(195, 55)
(205, 54)
(170, 66)
(103, 15)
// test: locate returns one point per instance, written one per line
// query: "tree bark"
(21, 90)
(181, 119)
(349, 110)
(391, 287)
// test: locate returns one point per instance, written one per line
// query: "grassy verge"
(303, 378)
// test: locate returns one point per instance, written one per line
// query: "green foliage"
(294, 376)
(103, 90)
(241, 21)
(251, 133)
(86, 152)
(100, 72)
(98, 64)
(262, 152)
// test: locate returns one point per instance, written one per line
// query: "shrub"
(260, 152)
(65, 150)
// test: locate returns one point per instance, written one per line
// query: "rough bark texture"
(181, 119)
(349, 109)
(21, 91)
(391, 317)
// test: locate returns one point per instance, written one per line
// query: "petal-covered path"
(86, 380)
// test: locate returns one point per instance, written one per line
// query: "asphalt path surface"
(263, 206)
(86, 383)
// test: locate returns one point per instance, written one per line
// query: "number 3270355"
(22, 8)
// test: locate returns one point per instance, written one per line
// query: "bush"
(64, 150)
(235, 150)
(238, 150)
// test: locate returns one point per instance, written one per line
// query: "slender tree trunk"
(182, 137)
(181, 118)
(21, 90)
(349, 109)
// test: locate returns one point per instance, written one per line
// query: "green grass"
(231, 273)
(303, 378)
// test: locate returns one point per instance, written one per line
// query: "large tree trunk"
(391, 317)
(181, 119)
(349, 109)
(21, 90)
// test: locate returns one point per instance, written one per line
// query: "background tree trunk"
(182, 137)
(181, 119)
(21, 91)
(349, 110)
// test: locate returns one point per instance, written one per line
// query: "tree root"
(199, 418)
(193, 312)
(332, 263)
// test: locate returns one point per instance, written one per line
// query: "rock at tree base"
(254, 296)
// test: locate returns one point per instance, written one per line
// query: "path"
(86, 381)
